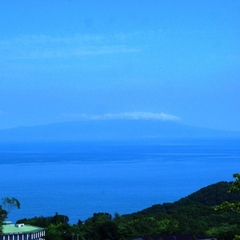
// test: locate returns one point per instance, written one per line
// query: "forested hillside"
(192, 214)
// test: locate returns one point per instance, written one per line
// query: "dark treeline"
(193, 214)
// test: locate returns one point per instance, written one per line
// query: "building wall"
(40, 235)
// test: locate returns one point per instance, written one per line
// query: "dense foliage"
(3, 215)
(8, 204)
(232, 206)
(193, 214)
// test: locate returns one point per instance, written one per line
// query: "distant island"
(110, 130)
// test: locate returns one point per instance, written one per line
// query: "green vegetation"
(195, 213)
(8, 204)
(3, 215)
(234, 205)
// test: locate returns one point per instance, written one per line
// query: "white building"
(21, 231)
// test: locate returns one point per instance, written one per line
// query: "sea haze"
(81, 178)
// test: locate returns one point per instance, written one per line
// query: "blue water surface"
(81, 178)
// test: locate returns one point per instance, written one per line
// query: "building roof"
(20, 228)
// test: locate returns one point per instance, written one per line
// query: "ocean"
(78, 179)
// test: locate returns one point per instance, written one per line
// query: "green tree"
(59, 218)
(3, 216)
(53, 232)
(232, 206)
(8, 204)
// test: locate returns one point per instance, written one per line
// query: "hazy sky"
(67, 60)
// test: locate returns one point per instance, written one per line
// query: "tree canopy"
(8, 204)
(234, 206)
(193, 214)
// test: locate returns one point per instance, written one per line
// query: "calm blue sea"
(81, 178)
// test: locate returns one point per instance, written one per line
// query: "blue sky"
(164, 60)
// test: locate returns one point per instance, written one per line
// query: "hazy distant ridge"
(108, 130)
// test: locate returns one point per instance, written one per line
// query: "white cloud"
(124, 115)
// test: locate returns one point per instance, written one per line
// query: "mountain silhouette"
(109, 130)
